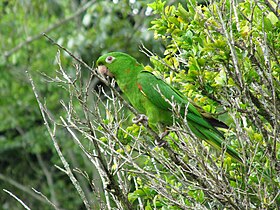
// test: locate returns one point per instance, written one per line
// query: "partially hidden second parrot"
(151, 96)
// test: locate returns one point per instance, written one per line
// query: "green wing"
(159, 93)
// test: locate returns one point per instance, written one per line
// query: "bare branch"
(15, 197)
(53, 137)
(21, 187)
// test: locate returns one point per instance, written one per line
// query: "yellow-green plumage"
(150, 96)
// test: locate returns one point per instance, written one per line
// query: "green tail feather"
(214, 138)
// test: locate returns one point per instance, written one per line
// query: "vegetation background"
(79, 149)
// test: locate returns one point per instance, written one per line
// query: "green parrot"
(151, 96)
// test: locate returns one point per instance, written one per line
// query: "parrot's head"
(117, 64)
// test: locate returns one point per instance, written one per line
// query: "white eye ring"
(109, 59)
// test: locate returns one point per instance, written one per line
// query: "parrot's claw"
(140, 118)
(160, 143)
(163, 134)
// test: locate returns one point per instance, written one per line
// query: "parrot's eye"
(109, 59)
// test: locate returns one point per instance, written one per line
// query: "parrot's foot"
(160, 143)
(163, 134)
(140, 118)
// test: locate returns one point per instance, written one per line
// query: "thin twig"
(49, 178)
(21, 187)
(15, 197)
(45, 197)
(58, 150)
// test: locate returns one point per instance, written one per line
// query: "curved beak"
(104, 71)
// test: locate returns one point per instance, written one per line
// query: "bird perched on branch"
(152, 97)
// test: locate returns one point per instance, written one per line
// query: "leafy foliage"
(222, 55)
(228, 61)
(226, 53)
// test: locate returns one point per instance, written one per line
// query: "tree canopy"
(66, 136)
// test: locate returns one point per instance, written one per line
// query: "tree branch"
(52, 133)
(51, 28)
